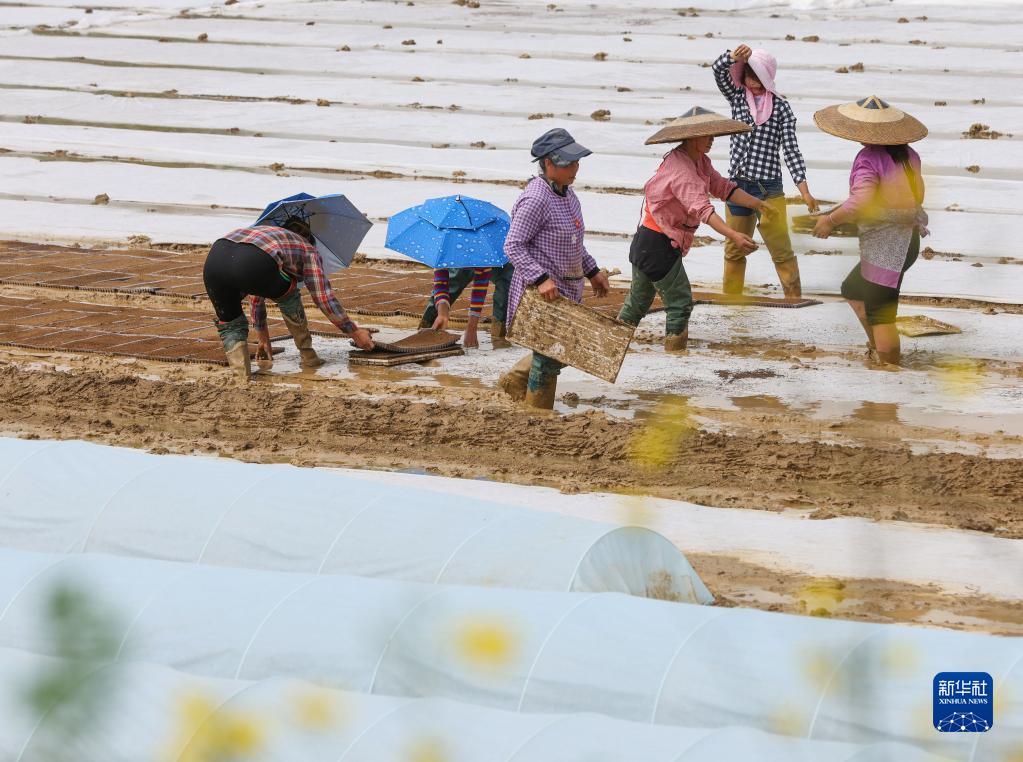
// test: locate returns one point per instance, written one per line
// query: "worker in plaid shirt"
(268, 262)
(545, 244)
(746, 78)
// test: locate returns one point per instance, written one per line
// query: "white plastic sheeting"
(152, 713)
(627, 657)
(65, 497)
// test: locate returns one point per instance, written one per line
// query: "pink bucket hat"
(765, 66)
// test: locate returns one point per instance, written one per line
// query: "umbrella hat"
(336, 224)
(458, 212)
(454, 231)
(274, 204)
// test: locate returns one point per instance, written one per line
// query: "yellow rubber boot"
(788, 274)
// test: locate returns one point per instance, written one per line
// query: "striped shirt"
(299, 261)
(755, 154)
(545, 240)
(478, 295)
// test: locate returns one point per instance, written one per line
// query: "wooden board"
(922, 325)
(804, 223)
(390, 359)
(572, 333)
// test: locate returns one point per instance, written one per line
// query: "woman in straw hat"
(886, 190)
(676, 201)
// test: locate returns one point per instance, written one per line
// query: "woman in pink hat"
(746, 78)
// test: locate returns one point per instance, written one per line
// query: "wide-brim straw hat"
(870, 121)
(697, 123)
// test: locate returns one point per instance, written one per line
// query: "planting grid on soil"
(363, 290)
(166, 335)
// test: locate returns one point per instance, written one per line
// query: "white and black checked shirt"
(755, 154)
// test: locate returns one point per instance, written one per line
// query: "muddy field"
(757, 452)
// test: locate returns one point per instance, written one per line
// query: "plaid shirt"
(545, 240)
(755, 154)
(300, 262)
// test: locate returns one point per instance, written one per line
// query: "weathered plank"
(386, 359)
(572, 333)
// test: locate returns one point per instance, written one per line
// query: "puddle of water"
(760, 402)
(877, 412)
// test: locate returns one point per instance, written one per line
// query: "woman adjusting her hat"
(746, 78)
(886, 193)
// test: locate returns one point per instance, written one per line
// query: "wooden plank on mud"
(572, 333)
(385, 359)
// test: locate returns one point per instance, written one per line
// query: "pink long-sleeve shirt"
(677, 196)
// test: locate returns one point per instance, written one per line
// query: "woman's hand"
(600, 284)
(824, 227)
(469, 338)
(361, 338)
(548, 290)
(746, 244)
(742, 53)
(443, 313)
(264, 354)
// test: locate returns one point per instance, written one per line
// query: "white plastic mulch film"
(536, 652)
(148, 712)
(66, 497)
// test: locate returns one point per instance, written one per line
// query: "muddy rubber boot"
(514, 382)
(788, 274)
(498, 335)
(298, 326)
(734, 277)
(234, 335)
(240, 361)
(676, 342)
(304, 341)
(542, 398)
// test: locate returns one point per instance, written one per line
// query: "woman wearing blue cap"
(545, 244)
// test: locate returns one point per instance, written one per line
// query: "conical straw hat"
(697, 123)
(870, 121)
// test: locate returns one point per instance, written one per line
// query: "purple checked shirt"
(546, 239)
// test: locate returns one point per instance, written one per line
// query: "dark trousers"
(461, 279)
(234, 270)
(881, 302)
(657, 268)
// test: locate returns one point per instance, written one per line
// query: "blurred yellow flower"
(787, 720)
(900, 659)
(654, 446)
(208, 733)
(486, 642)
(821, 597)
(428, 750)
(959, 377)
(818, 667)
(317, 709)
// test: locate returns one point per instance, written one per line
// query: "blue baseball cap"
(559, 146)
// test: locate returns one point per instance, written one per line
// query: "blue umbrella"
(453, 231)
(336, 224)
